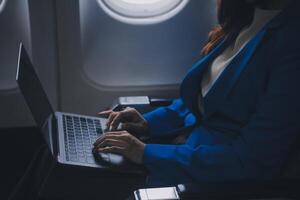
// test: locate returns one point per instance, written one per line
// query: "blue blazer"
(251, 115)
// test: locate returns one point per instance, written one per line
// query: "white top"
(261, 18)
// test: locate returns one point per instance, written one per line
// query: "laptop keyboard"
(80, 133)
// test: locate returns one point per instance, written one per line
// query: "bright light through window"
(142, 11)
(141, 1)
(2, 4)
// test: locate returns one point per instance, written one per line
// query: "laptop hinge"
(54, 134)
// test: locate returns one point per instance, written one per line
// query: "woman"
(238, 111)
(237, 115)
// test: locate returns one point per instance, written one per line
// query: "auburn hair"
(233, 15)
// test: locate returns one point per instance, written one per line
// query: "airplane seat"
(291, 169)
(281, 189)
(248, 190)
(285, 188)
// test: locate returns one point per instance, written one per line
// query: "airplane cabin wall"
(15, 27)
(33, 23)
(102, 58)
(86, 59)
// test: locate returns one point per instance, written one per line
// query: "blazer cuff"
(153, 153)
(162, 121)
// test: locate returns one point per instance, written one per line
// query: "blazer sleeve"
(164, 120)
(259, 151)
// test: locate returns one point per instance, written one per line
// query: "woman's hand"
(130, 118)
(123, 143)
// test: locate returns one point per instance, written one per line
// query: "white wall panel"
(120, 55)
(33, 23)
(86, 59)
(15, 28)
(102, 58)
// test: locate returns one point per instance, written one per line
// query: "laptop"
(70, 137)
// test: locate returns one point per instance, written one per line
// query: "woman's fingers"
(123, 116)
(131, 127)
(109, 114)
(116, 121)
(130, 116)
(105, 113)
(122, 143)
(112, 142)
(108, 135)
(110, 119)
(113, 149)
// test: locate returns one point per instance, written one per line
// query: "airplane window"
(142, 11)
(2, 3)
(121, 55)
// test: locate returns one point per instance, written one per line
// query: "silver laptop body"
(70, 137)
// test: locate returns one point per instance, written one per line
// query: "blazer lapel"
(221, 89)
(191, 85)
(226, 81)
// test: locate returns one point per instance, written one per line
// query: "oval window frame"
(142, 20)
(2, 5)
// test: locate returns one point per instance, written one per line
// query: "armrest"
(141, 103)
(241, 190)
(233, 190)
(160, 102)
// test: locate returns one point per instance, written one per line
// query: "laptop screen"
(32, 89)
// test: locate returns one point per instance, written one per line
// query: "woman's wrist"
(143, 154)
(146, 129)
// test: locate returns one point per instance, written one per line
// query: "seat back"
(291, 168)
